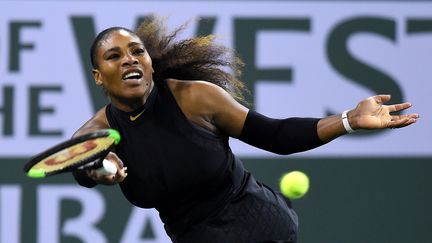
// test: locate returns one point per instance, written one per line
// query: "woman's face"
(124, 67)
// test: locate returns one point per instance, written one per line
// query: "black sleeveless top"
(182, 170)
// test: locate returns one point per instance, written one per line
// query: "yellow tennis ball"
(294, 185)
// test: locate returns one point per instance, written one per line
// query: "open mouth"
(135, 74)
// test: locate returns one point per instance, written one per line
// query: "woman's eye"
(112, 56)
(138, 51)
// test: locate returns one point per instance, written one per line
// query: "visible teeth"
(131, 75)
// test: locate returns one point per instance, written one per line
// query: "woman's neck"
(131, 104)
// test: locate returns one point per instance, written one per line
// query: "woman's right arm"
(90, 178)
(97, 122)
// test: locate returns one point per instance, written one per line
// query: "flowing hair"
(196, 58)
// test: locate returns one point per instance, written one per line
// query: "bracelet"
(346, 123)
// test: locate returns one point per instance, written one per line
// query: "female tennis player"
(175, 106)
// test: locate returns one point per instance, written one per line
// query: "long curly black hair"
(196, 58)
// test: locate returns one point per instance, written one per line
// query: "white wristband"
(346, 123)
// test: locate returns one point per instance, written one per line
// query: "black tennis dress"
(189, 174)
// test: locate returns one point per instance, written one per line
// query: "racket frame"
(95, 159)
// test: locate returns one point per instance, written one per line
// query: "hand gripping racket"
(84, 152)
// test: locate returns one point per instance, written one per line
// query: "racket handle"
(107, 168)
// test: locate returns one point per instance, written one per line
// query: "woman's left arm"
(291, 135)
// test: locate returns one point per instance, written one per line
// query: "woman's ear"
(97, 77)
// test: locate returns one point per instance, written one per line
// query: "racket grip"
(107, 168)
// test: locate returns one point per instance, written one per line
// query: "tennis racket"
(84, 152)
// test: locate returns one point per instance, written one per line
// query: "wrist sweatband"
(280, 136)
(346, 123)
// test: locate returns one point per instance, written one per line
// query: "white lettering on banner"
(139, 220)
(10, 213)
(49, 198)
(396, 48)
(51, 225)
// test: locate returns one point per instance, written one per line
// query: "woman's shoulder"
(196, 97)
(192, 88)
(209, 106)
(98, 121)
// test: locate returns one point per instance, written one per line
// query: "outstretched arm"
(209, 105)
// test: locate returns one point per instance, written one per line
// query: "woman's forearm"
(331, 127)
